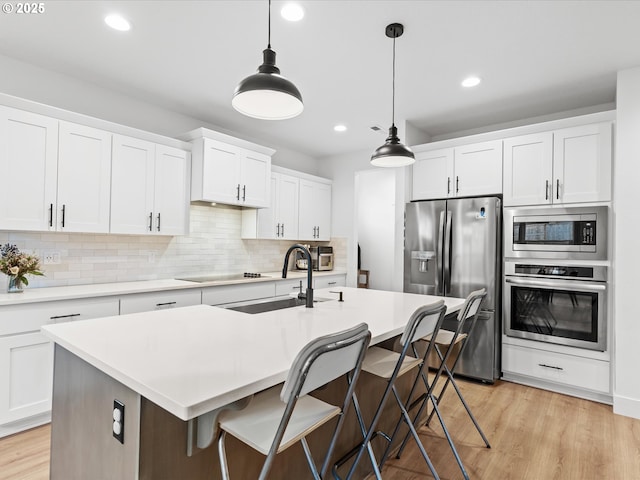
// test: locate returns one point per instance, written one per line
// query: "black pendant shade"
(393, 153)
(266, 94)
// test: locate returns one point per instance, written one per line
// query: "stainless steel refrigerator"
(451, 248)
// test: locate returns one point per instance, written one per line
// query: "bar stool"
(449, 340)
(390, 365)
(278, 418)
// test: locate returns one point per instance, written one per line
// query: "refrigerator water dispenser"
(423, 268)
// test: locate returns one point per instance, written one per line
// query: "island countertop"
(192, 360)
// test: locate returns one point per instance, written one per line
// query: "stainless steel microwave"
(570, 233)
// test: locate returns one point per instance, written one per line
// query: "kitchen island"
(171, 368)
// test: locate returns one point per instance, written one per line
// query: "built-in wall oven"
(556, 303)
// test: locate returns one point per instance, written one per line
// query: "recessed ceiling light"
(471, 81)
(292, 12)
(340, 128)
(117, 22)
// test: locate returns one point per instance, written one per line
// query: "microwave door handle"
(447, 255)
(581, 286)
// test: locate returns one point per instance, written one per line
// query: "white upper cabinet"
(528, 167)
(315, 210)
(582, 163)
(468, 170)
(149, 188)
(432, 174)
(571, 165)
(29, 162)
(230, 174)
(84, 179)
(280, 220)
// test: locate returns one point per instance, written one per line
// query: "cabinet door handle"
(158, 222)
(557, 189)
(283, 229)
(318, 231)
(331, 283)
(238, 192)
(150, 221)
(165, 304)
(550, 366)
(57, 317)
(546, 189)
(51, 214)
(457, 184)
(64, 209)
(448, 185)
(277, 230)
(244, 193)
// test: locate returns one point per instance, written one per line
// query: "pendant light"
(393, 153)
(266, 94)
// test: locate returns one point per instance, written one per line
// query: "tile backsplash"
(213, 246)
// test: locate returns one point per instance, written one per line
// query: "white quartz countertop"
(192, 360)
(47, 294)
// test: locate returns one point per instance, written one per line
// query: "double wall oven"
(555, 287)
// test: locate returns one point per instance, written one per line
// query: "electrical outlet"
(51, 257)
(118, 420)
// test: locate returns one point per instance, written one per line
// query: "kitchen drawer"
(237, 293)
(30, 317)
(147, 302)
(555, 367)
(329, 281)
(285, 287)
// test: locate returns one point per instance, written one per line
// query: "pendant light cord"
(269, 39)
(393, 84)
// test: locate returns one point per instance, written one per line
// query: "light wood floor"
(534, 434)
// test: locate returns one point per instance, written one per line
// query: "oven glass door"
(565, 313)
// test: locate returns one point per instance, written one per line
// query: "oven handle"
(582, 286)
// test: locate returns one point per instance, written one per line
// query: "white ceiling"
(535, 58)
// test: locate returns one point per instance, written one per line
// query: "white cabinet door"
(315, 211)
(528, 165)
(287, 207)
(221, 166)
(264, 219)
(148, 302)
(26, 375)
(329, 281)
(582, 164)
(255, 180)
(171, 187)
(433, 174)
(84, 179)
(478, 169)
(132, 185)
(28, 160)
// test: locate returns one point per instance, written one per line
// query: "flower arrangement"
(17, 264)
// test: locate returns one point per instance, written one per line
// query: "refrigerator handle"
(439, 255)
(447, 256)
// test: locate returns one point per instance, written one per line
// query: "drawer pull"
(165, 304)
(65, 316)
(550, 366)
(331, 283)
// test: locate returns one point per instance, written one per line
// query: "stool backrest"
(325, 359)
(472, 304)
(423, 322)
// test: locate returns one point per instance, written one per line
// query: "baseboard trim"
(629, 407)
(25, 424)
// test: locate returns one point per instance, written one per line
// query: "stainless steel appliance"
(563, 304)
(322, 257)
(571, 233)
(451, 248)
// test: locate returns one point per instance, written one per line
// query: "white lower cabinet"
(329, 281)
(26, 356)
(562, 369)
(147, 302)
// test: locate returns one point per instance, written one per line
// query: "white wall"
(626, 389)
(51, 88)
(342, 169)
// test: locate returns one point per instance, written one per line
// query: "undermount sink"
(268, 305)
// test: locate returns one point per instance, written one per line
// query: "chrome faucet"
(309, 292)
